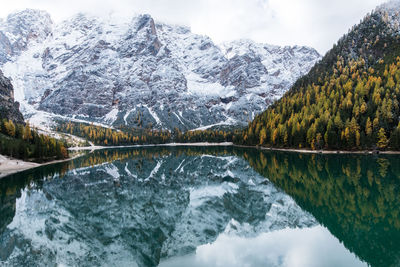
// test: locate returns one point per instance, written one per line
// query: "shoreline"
(295, 150)
(321, 151)
(9, 166)
(150, 145)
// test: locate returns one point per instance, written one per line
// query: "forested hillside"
(17, 139)
(138, 136)
(22, 142)
(349, 100)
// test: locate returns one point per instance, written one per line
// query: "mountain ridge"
(142, 73)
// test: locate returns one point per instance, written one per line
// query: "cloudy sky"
(315, 23)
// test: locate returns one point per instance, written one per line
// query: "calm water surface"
(203, 207)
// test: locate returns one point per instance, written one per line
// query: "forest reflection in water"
(356, 197)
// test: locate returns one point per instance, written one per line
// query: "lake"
(203, 206)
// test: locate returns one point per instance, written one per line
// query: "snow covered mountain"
(138, 72)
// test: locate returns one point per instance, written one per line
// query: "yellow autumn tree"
(382, 139)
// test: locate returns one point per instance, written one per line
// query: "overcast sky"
(315, 23)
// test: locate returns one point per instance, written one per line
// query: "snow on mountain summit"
(20, 28)
(140, 72)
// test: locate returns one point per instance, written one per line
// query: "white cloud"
(311, 247)
(314, 23)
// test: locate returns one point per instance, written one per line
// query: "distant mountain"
(348, 100)
(142, 73)
(9, 109)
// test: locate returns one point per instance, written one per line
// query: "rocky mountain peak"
(143, 73)
(29, 21)
(27, 25)
(146, 21)
(21, 28)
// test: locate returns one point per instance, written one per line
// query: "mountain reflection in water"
(175, 206)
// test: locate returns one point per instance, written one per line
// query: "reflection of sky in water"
(289, 247)
(192, 209)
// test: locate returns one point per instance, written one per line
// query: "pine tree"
(382, 139)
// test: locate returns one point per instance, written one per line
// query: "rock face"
(9, 109)
(21, 28)
(139, 72)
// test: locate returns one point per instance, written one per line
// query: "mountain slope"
(19, 140)
(349, 100)
(138, 72)
(9, 109)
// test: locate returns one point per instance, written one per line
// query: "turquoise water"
(203, 207)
